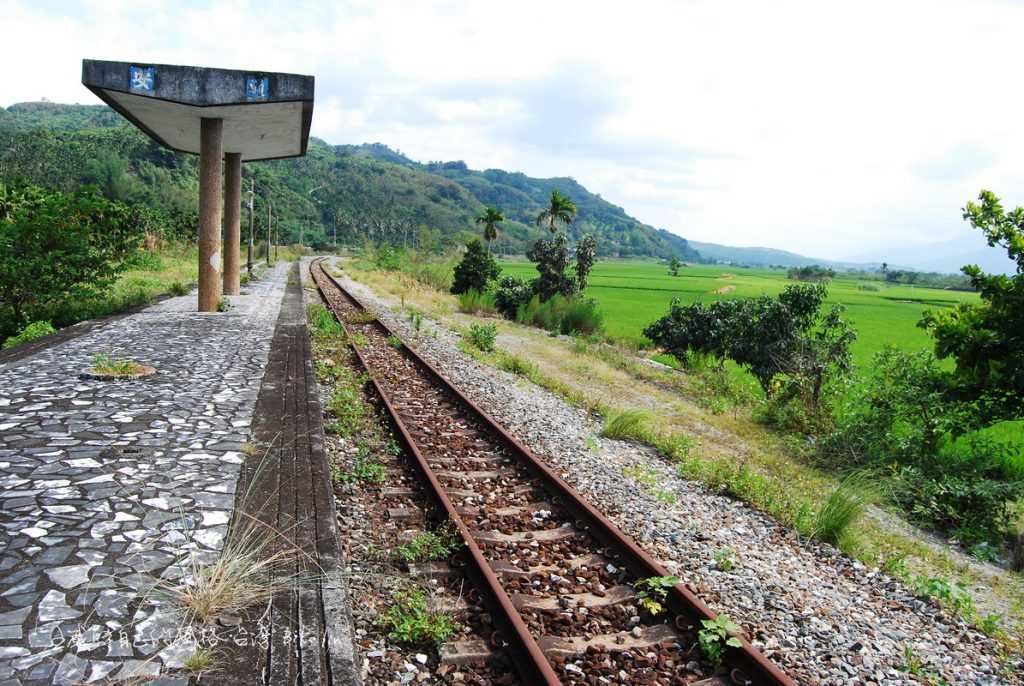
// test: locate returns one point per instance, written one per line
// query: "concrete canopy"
(266, 115)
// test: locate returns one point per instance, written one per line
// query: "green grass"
(430, 545)
(632, 294)
(628, 424)
(844, 506)
(409, 620)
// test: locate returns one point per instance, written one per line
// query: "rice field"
(632, 294)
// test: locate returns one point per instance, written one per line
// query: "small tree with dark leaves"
(552, 260)
(586, 251)
(476, 269)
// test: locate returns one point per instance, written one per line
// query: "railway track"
(557, 576)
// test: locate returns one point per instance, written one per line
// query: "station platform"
(112, 491)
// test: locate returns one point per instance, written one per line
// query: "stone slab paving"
(107, 487)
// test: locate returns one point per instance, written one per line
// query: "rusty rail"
(746, 663)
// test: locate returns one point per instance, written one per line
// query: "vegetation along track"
(559, 579)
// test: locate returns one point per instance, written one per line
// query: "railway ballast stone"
(824, 618)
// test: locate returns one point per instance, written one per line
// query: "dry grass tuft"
(252, 567)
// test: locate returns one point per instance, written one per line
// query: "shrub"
(428, 270)
(476, 270)
(57, 247)
(581, 316)
(511, 294)
(482, 336)
(971, 503)
(899, 414)
(388, 258)
(30, 333)
(477, 302)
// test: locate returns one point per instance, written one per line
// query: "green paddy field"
(632, 294)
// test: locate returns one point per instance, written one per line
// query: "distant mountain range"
(945, 258)
(948, 256)
(771, 257)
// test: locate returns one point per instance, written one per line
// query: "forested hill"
(366, 189)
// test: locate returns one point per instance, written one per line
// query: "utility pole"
(268, 232)
(252, 195)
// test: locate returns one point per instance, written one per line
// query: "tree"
(57, 247)
(490, 219)
(813, 273)
(769, 336)
(586, 251)
(885, 268)
(695, 328)
(476, 269)
(560, 209)
(108, 172)
(673, 266)
(552, 259)
(987, 339)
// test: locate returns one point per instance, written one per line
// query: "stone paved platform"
(107, 486)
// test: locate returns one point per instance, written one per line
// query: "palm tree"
(491, 217)
(562, 209)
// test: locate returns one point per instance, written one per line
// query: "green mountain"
(365, 190)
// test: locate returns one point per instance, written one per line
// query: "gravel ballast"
(823, 617)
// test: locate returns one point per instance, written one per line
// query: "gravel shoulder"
(824, 618)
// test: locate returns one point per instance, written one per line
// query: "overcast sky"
(828, 128)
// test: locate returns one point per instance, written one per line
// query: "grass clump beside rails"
(409, 620)
(322, 322)
(476, 302)
(254, 564)
(30, 333)
(430, 545)
(625, 425)
(846, 504)
(346, 401)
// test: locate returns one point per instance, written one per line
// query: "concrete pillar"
(232, 221)
(211, 171)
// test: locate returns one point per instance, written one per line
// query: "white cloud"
(827, 128)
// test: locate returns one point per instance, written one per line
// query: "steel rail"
(752, 665)
(532, 665)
